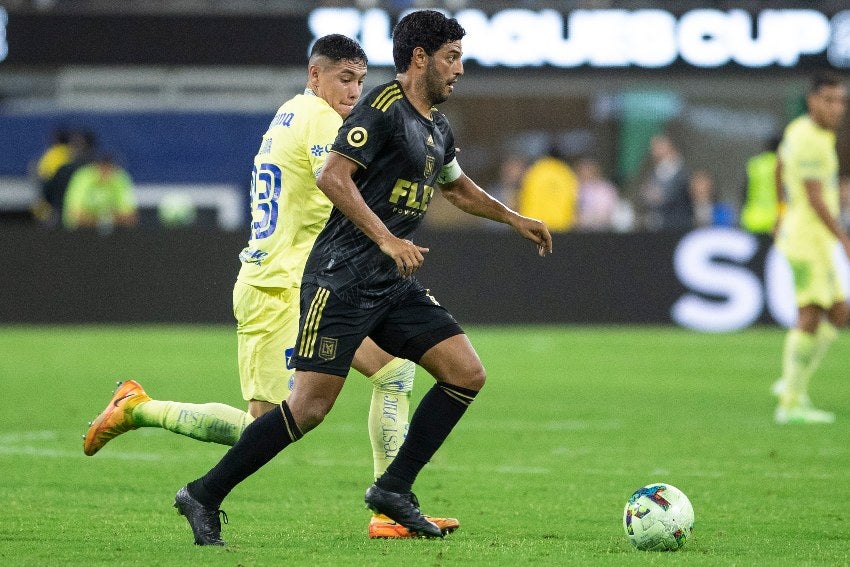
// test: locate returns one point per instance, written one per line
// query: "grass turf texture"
(572, 420)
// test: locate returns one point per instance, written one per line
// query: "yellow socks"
(389, 410)
(824, 337)
(796, 359)
(213, 422)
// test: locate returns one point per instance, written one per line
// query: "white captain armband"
(450, 172)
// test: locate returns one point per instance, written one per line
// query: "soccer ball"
(658, 517)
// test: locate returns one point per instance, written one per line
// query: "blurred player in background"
(83, 150)
(807, 234)
(100, 195)
(758, 215)
(57, 154)
(288, 211)
(391, 152)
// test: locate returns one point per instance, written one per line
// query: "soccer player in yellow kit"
(288, 212)
(807, 233)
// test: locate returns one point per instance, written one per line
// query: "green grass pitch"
(572, 420)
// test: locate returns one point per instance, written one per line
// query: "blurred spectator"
(100, 195)
(665, 195)
(82, 145)
(624, 217)
(597, 197)
(57, 154)
(708, 211)
(511, 172)
(758, 214)
(506, 188)
(549, 192)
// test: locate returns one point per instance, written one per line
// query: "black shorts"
(330, 330)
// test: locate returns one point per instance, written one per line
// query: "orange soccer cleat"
(381, 526)
(116, 419)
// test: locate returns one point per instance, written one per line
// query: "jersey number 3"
(265, 192)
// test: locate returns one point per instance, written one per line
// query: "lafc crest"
(327, 348)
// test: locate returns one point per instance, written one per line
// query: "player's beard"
(435, 85)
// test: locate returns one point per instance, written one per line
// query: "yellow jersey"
(287, 209)
(759, 211)
(807, 152)
(53, 158)
(549, 192)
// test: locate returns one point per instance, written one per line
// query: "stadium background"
(182, 90)
(575, 416)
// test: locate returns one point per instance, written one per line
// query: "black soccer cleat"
(403, 508)
(204, 521)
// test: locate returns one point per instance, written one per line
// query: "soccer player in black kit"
(389, 155)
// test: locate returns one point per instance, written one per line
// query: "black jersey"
(400, 154)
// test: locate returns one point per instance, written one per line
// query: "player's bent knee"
(396, 377)
(472, 378)
(312, 397)
(311, 416)
(477, 379)
(309, 413)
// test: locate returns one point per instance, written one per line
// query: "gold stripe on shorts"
(311, 323)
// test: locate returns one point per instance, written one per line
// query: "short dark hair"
(427, 29)
(61, 136)
(338, 47)
(84, 138)
(106, 158)
(824, 79)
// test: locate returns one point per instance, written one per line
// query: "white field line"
(64, 454)
(556, 425)
(24, 436)
(44, 444)
(51, 444)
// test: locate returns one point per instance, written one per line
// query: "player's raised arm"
(466, 195)
(336, 181)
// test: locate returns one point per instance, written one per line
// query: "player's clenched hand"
(408, 256)
(536, 231)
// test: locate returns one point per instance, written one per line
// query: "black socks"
(264, 438)
(435, 417)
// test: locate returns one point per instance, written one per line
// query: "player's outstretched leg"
(204, 520)
(209, 422)
(116, 419)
